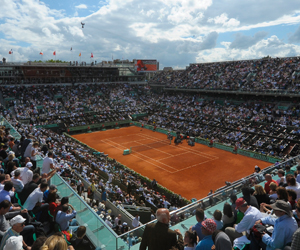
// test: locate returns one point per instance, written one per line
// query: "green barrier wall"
(258, 156)
(223, 147)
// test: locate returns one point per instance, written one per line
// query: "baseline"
(212, 157)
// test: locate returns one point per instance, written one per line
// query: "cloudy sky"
(175, 32)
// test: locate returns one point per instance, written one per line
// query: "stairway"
(1, 99)
(289, 148)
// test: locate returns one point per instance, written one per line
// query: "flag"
(71, 49)
(92, 55)
(80, 54)
(54, 53)
(10, 52)
(41, 53)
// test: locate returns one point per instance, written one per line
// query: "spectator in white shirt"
(34, 202)
(16, 180)
(251, 215)
(48, 163)
(136, 221)
(34, 153)
(117, 219)
(26, 173)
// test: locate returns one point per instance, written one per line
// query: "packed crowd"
(75, 163)
(264, 127)
(72, 105)
(277, 197)
(252, 125)
(265, 217)
(251, 75)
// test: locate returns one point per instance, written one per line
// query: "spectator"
(252, 214)
(63, 201)
(5, 195)
(158, 236)
(292, 184)
(14, 243)
(136, 221)
(26, 173)
(249, 198)
(292, 197)
(190, 240)
(208, 227)
(33, 155)
(281, 176)
(79, 243)
(117, 219)
(16, 180)
(268, 179)
(38, 243)
(198, 226)
(296, 236)
(48, 163)
(34, 202)
(221, 241)
(284, 227)
(52, 203)
(29, 187)
(217, 217)
(52, 189)
(228, 216)
(66, 220)
(273, 192)
(260, 195)
(56, 242)
(17, 225)
(257, 169)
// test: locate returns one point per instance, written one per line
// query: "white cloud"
(272, 46)
(175, 32)
(224, 21)
(81, 6)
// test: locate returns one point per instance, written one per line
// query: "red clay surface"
(188, 171)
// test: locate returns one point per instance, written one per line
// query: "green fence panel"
(9, 98)
(283, 107)
(223, 147)
(258, 156)
(202, 141)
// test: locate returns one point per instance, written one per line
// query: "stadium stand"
(107, 196)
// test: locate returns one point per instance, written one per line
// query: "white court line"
(122, 136)
(212, 157)
(138, 157)
(161, 159)
(149, 137)
(148, 158)
(138, 141)
(174, 155)
(191, 166)
(153, 148)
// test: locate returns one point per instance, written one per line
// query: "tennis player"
(170, 137)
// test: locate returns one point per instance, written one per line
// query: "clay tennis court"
(188, 171)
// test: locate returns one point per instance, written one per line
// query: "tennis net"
(148, 146)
